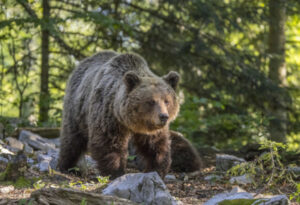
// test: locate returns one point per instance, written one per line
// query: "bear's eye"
(167, 102)
(151, 102)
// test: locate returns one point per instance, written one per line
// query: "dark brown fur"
(185, 157)
(110, 98)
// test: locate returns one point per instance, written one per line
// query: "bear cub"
(111, 98)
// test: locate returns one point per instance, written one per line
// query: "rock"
(170, 177)
(54, 154)
(274, 200)
(46, 161)
(240, 196)
(224, 162)
(7, 189)
(43, 157)
(36, 141)
(30, 161)
(3, 163)
(15, 168)
(146, 188)
(213, 178)
(4, 151)
(241, 180)
(12, 149)
(55, 141)
(87, 165)
(90, 162)
(44, 165)
(73, 197)
(14, 143)
(234, 194)
(295, 170)
(28, 149)
(3, 160)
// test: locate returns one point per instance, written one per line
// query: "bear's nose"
(163, 117)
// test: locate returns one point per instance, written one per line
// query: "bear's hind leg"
(73, 145)
(155, 149)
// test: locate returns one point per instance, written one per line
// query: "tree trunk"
(44, 89)
(277, 68)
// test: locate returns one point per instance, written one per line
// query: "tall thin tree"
(44, 87)
(277, 67)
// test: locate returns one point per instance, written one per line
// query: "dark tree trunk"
(277, 68)
(44, 92)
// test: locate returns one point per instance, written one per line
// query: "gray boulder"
(6, 152)
(241, 180)
(240, 196)
(46, 161)
(14, 143)
(146, 188)
(36, 141)
(224, 162)
(294, 170)
(170, 177)
(235, 193)
(274, 200)
(28, 149)
(213, 178)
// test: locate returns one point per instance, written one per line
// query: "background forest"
(239, 60)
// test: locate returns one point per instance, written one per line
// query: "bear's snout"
(163, 117)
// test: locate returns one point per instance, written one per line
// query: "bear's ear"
(131, 80)
(172, 78)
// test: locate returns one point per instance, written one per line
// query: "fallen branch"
(63, 196)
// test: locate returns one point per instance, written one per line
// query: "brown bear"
(184, 156)
(111, 98)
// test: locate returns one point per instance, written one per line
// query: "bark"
(44, 89)
(46, 132)
(277, 68)
(68, 196)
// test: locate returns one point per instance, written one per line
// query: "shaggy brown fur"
(185, 157)
(110, 98)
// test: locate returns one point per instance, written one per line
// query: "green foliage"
(202, 120)
(83, 202)
(6, 172)
(267, 169)
(39, 184)
(79, 184)
(25, 201)
(103, 180)
(219, 48)
(22, 182)
(131, 157)
(296, 195)
(238, 202)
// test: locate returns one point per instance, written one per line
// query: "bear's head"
(151, 102)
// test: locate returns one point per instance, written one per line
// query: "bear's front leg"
(155, 149)
(109, 150)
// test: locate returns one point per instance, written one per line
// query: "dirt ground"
(190, 188)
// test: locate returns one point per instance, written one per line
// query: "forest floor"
(188, 188)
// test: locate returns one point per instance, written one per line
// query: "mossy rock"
(238, 202)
